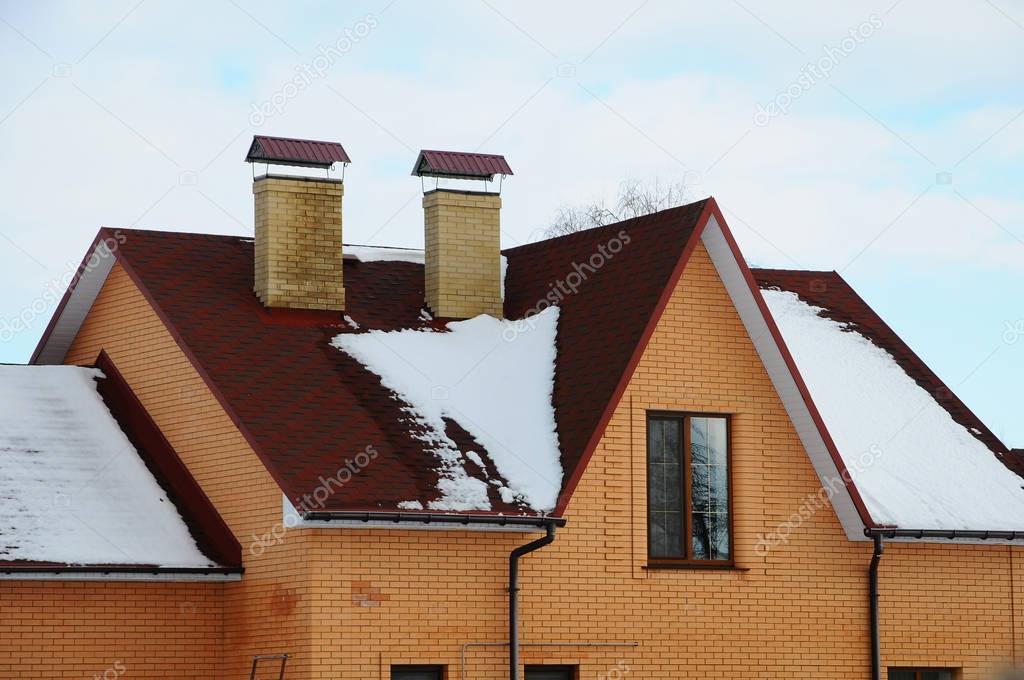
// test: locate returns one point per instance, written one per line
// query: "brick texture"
(349, 603)
(462, 276)
(298, 243)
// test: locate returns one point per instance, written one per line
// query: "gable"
(700, 360)
(89, 485)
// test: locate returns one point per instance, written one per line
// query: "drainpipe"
(876, 651)
(513, 597)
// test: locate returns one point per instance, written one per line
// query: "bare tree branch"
(634, 199)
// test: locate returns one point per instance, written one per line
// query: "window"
(920, 674)
(550, 672)
(688, 502)
(417, 673)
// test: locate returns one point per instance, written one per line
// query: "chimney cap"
(460, 165)
(306, 153)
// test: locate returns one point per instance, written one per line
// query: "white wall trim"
(731, 273)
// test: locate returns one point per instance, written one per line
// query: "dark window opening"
(417, 673)
(550, 673)
(921, 674)
(688, 498)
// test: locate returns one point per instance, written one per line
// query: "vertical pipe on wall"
(876, 650)
(513, 597)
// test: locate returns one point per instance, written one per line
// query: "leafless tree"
(635, 198)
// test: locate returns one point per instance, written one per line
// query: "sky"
(883, 140)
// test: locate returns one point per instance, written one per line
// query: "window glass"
(665, 488)
(709, 488)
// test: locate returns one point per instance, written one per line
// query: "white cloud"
(676, 87)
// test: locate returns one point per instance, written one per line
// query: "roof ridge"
(592, 232)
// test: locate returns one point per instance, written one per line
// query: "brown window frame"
(687, 508)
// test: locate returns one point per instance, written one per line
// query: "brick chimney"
(462, 273)
(298, 259)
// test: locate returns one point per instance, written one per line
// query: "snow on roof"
(915, 467)
(73, 489)
(494, 378)
(383, 254)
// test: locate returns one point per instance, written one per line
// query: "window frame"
(688, 561)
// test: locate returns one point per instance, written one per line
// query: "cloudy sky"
(882, 140)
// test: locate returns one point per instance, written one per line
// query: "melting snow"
(915, 467)
(73, 490)
(493, 377)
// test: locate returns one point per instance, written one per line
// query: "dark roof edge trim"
(215, 539)
(431, 518)
(805, 395)
(198, 367)
(126, 569)
(951, 534)
(627, 375)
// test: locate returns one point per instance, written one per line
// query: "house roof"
(919, 457)
(87, 482)
(840, 302)
(302, 152)
(460, 165)
(318, 407)
(307, 408)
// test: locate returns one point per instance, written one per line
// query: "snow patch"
(73, 489)
(351, 322)
(504, 273)
(383, 254)
(915, 467)
(498, 389)
(410, 505)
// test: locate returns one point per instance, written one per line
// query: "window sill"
(697, 566)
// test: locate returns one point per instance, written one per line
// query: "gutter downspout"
(513, 597)
(876, 652)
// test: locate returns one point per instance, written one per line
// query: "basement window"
(921, 674)
(688, 497)
(417, 673)
(550, 673)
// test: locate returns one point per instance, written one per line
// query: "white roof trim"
(80, 297)
(731, 273)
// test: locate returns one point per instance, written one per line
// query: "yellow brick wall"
(298, 242)
(268, 610)
(798, 611)
(107, 630)
(463, 263)
(349, 603)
